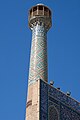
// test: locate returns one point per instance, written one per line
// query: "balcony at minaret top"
(40, 14)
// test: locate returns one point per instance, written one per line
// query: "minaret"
(39, 23)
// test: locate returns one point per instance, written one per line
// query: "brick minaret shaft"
(39, 23)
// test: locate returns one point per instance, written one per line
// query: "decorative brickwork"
(38, 60)
(39, 22)
(32, 107)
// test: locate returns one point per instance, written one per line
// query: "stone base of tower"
(32, 106)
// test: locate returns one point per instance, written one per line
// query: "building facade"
(55, 105)
(44, 102)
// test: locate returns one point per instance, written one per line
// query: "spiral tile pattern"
(38, 58)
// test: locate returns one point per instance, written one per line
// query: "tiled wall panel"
(55, 105)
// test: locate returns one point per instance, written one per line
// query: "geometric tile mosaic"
(38, 57)
(58, 105)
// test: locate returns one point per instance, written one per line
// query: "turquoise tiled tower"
(44, 102)
(39, 23)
